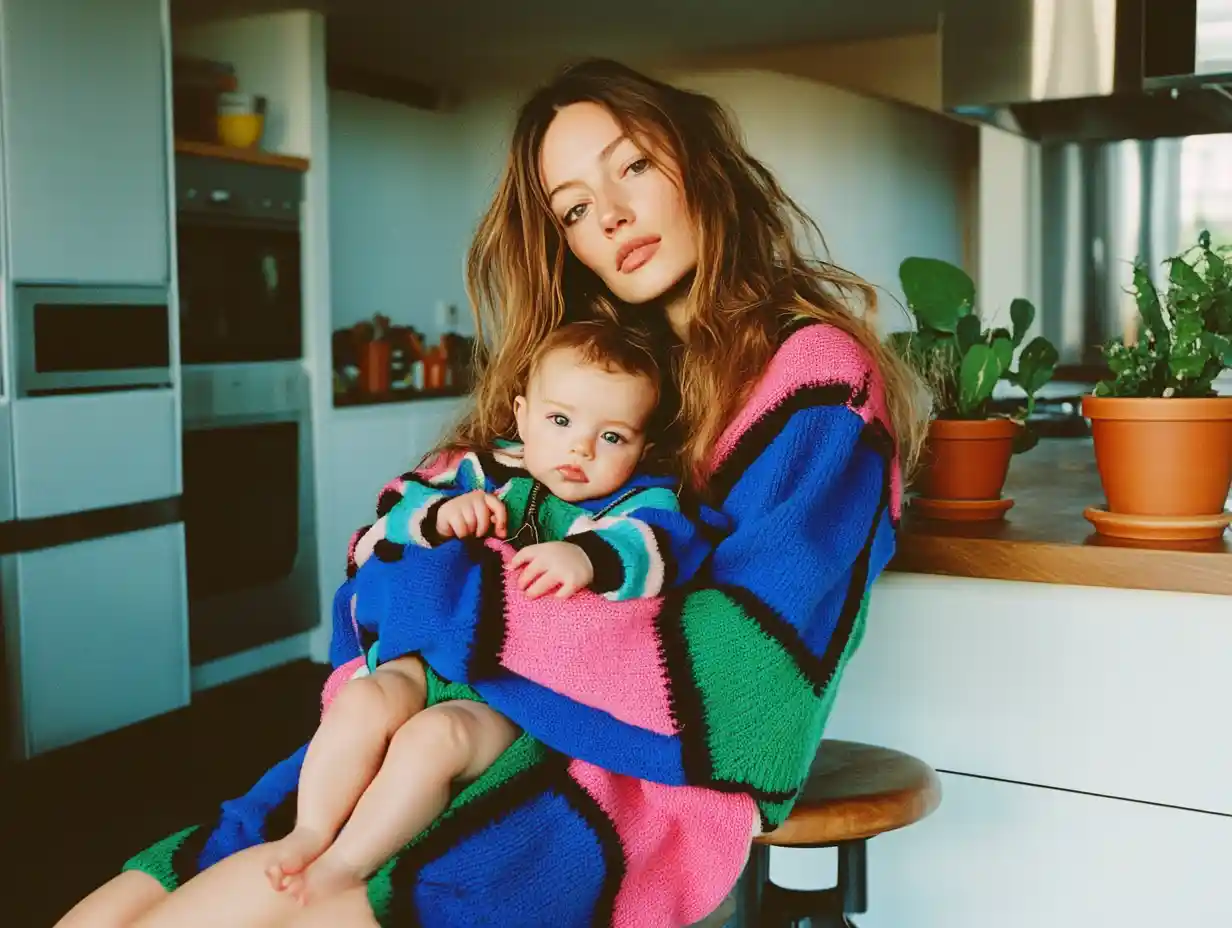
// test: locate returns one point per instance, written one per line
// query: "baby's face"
(583, 427)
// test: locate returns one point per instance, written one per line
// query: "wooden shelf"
(247, 155)
(1045, 539)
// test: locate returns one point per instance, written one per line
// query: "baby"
(384, 762)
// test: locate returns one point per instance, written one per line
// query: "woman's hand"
(553, 565)
(472, 514)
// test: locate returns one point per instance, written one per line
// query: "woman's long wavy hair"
(523, 281)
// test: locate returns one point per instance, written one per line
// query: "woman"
(633, 197)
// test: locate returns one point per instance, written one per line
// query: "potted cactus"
(968, 452)
(1163, 437)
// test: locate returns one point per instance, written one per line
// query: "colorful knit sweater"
(638, 540)
(663, 732)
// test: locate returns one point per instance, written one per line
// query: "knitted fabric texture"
(637, 538)
(662, 733)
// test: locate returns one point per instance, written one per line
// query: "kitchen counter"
(1045, 539)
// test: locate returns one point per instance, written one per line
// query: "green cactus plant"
(1184, 340)
(959, 358)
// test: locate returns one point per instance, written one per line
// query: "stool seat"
(856, 791)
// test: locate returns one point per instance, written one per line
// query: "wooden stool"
(854, 792)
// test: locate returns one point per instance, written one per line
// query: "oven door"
(250, 535)
(240, 290)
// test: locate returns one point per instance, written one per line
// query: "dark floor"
(69, 819)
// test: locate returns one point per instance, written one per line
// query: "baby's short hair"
(605, 344)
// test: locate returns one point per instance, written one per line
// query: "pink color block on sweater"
(600, 653)
(674, 875)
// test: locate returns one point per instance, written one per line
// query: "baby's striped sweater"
(667, 730)
(638, 540)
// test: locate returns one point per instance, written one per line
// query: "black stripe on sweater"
(548, 776)
(473, 817)
(684, 696)
(762, 433)
(490, 625)
(779, 630)
(186, 859)
(605, 562)
(609, 845)
(856, 589)
(388, 499)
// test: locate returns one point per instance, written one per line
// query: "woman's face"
(624, 218)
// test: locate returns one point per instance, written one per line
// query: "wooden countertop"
(1045, 538)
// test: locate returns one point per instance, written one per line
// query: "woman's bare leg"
(343, 758)
(347, 909)
(117, 903)
(452, 741)
(234, 893)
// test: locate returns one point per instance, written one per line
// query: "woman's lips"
(636, 252)
(572, 474)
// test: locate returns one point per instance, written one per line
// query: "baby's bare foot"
(291, 855)
(326, 876)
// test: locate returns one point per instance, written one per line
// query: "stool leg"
(853, 876)
(820, 908)
(750, 888)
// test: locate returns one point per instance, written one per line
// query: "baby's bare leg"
(344, 756)
(447, 742)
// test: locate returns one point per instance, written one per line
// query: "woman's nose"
(615, 214)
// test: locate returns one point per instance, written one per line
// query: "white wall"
(881, 180)
(403, 210)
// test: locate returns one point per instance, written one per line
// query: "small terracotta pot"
(1163, 457)
(967, 459)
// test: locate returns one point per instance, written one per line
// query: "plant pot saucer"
(962, 510)
(1157, 528)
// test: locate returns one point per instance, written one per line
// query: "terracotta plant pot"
(1163, 457)
(967, 460)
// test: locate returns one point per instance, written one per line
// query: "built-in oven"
(238, 261)
(84, 339)
(248, 507)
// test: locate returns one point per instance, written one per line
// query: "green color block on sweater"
(768, 702)
(775, 813)
(158, 859)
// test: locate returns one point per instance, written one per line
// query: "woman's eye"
(613, 438)
(574, 214)
(561, 420)
(639, 166)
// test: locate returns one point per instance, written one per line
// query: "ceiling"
(462, 42)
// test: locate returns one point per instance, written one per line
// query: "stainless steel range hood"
(1071, 70)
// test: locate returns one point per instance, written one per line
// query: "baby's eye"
(613, 438)
(560, 419)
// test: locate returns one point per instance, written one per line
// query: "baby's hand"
(471, 514)
(553, 564)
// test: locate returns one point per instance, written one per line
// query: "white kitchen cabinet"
(85, 133)
(103, 634)
(94, 450)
